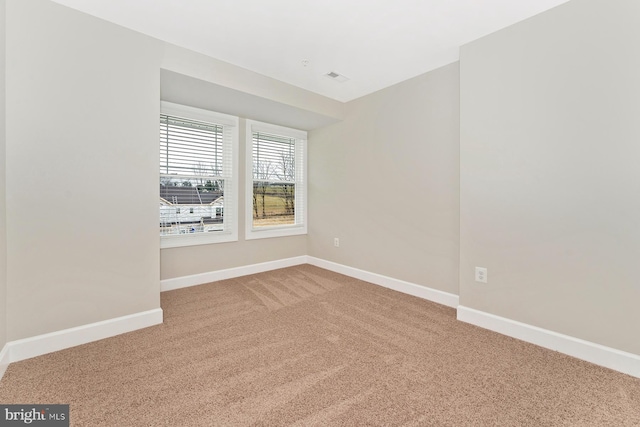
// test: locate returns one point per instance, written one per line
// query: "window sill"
(179, 241)
(265, 233)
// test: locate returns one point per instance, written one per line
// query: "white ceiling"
(375, 43)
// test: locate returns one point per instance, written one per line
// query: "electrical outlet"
(336, 242)
(481, 274)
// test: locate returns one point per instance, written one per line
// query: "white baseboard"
(444, 298)
(434, 295)
(4, 360)
(229, 273)
(59, 340)
(608, 357)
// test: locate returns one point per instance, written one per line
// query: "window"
(198, 172)
(276, 166)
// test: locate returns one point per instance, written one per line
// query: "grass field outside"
(274, 212)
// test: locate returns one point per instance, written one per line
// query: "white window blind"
(276, 183)
(190, 146)
(197, 177)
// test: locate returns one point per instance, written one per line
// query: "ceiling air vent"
(337, 77)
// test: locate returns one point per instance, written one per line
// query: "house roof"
(188, 195)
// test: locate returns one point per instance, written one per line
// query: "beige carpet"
(304, 346)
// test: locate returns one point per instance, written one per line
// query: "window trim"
(232, 124)
(282, 230)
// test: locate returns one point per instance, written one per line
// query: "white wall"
(550, 182)
(3, 171)
(82, 106)
(385, 182)
(82, 148)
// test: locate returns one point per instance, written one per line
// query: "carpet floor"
(304, 346)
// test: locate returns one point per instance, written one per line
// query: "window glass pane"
(273, 204)
(198, 179)
(192, 176)
(274, 180)
(273, 157)
(191, 205)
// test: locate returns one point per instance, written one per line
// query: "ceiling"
(374, 43)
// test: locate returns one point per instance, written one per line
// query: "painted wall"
(385, 182)
(82, 106)
(550, 182)
(82, 130)
(3, 172)
(213, 70)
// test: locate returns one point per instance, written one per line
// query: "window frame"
(230, 124)
(300, 136)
